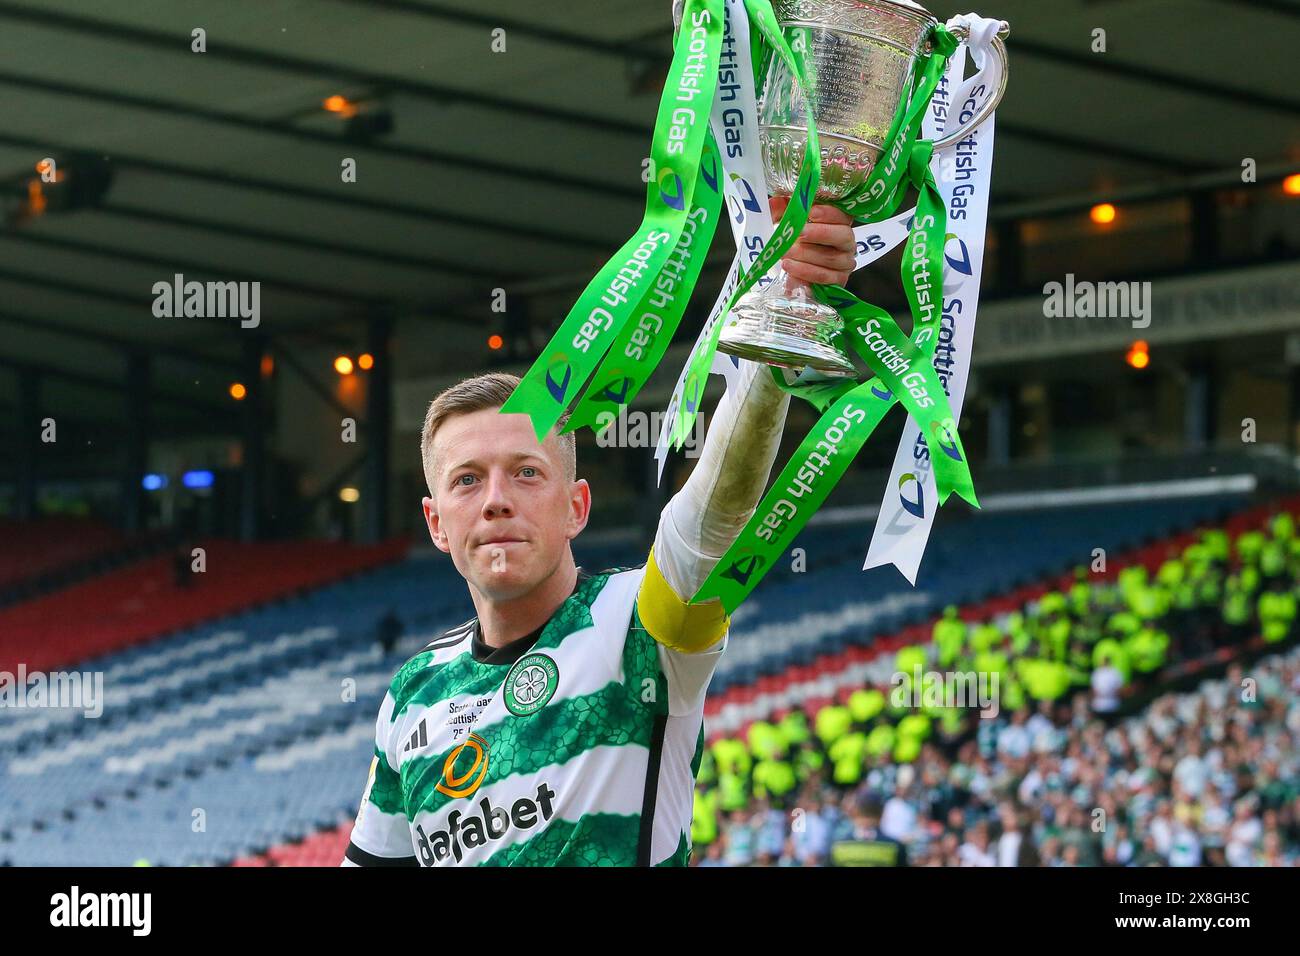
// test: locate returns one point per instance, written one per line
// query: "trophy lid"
(910, 4)
(910, 8)
(848, 13)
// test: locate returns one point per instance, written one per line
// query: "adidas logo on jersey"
(491, 823)
(419, 738)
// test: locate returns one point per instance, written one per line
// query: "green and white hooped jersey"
(579, 750)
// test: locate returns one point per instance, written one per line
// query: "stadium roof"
(518, 169)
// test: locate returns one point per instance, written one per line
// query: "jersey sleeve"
(690, 637)
(381, 835)
(688, 676)
(698, 525)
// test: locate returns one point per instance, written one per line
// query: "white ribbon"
(963, 173)
(734, 122)
(901, 539)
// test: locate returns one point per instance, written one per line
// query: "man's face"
(503, 508)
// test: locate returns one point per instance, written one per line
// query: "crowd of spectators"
(1060, 776)
(1209, 777)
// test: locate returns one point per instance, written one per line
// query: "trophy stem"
(782, 324)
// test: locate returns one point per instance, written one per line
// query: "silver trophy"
(860, 56)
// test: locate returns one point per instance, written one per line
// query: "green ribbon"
(611, 298)
(850, 413)
(787, 230)
(882, 192)
(910, 378)
(876, 199)
(639, 347)
(598, 333)
(922, 262)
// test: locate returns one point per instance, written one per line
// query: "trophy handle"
(999, 49)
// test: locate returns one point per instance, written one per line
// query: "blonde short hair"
(489, 390)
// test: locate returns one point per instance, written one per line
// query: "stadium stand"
(965, 566)
(30, 550)
(144, 600)
(1196, 778)
(247, 739)
(1207, 776)
(187, 717)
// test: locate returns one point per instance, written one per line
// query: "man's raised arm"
(705, 517)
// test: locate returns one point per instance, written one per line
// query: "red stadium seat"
(142, 601)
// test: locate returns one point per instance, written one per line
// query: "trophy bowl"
(860, 57)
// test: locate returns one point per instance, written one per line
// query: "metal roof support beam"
(489, 21)
(136, 460)
(111, 341)
(169, 265)
(29, 429)
(383, 256)
(285, 130)
(209, 409)
(1220, 178)
(379, 414)
(319, 70)
(217, 177)
(1178, 82)
(253, 436)
(316, 385)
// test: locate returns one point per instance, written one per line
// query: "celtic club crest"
(530, 683)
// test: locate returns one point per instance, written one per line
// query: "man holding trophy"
(563, 725)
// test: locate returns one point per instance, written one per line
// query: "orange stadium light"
(1138, 355)
(237, 391)
(365, 361)
(1103, 214)
(495, 342)
(339, 104)
(1291, 185)
(343, 365)
(36, 201)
